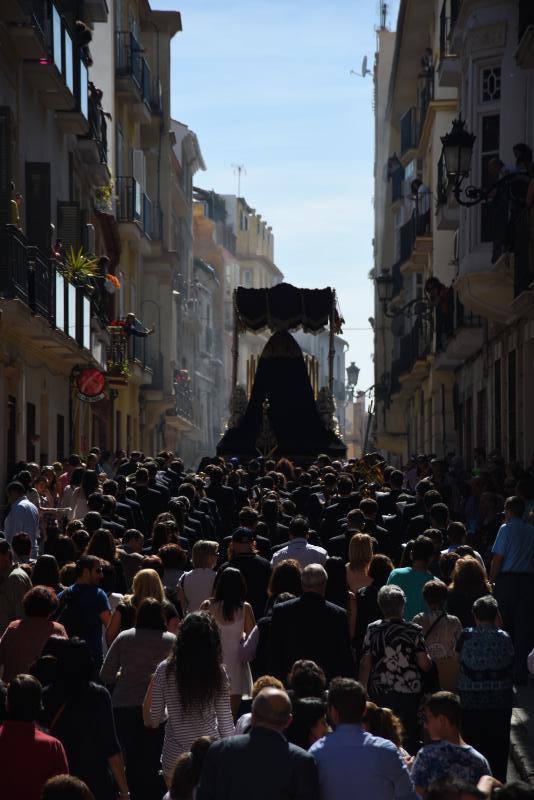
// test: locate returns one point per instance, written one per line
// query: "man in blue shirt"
(352, 762)
(512, 570)
(23, 517)
(84, 607)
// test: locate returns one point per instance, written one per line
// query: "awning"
(284, 307)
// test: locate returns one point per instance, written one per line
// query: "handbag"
(430, 678)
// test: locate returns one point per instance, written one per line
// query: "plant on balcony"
(104, 197)
(118, 368)
(79, 267)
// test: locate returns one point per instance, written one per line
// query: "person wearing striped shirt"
(191, 690)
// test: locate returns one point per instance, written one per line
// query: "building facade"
(54, 160)
(254, 252)
(453, 336)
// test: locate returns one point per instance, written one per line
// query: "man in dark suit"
(419, 523)
(339, 545)
(128, 496)
(150, 501)
(270, 515)
(338, 509)
(255, 569)
(261, 764)
(110, 487)
(310, 627)
(223, 497)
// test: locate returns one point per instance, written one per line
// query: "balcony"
(522, 304)
(95, 10)
(459, 333)
(525, 49)
(152, 219)
(494, 292)
(28, 25)
(398, 279)
(35, 280)
(58, 74)
(134, 79)
(129, 207)
(93, 147)
(416, 236)
(448, 71)
(397, 185)
(410, 130)
(415, 348)
(447, 208)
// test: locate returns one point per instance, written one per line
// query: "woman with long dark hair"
(192, 688)
(128, 667)
(234, 617)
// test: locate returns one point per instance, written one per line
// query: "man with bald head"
(312, 628)
(261, 764)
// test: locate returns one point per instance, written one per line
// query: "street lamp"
(385, 288)
(353, 373)
(457, 154)
(458, 150)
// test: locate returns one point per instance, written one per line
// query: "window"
(512, 403)
(490, 85)
(497, 405)
(69, 62)
(489, 148)
(56, 39)
(247, 278)
(30, 432)
(60, 437)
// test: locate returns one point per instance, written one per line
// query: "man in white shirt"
(23, 517)
(298, 546)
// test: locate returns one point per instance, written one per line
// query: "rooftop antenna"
(383, 14)
(239, 169)
(365, 70)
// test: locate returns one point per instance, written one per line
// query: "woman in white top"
(235, 619)
(191, 688)
(197, 585)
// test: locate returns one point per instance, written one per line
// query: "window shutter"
(37, 205)
(139, 171)
(6, 137)
(69, 228)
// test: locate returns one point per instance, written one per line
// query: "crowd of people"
(263, 629)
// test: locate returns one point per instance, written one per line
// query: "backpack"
(70, 614)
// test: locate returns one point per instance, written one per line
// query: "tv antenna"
(239, 169)
(365, 69)
(383, 14)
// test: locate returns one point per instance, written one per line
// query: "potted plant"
(79, 267)
(104, 198)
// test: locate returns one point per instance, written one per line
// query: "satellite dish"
(365, 70)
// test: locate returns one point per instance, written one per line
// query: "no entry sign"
(91, 383)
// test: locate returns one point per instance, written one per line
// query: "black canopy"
(283, 307)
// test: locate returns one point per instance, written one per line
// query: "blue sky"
(266, 84)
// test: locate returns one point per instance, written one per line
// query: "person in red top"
(28, 756)
(24, 639)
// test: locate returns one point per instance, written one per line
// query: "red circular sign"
(91, 382)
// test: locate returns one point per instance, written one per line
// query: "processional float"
(282, 417)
